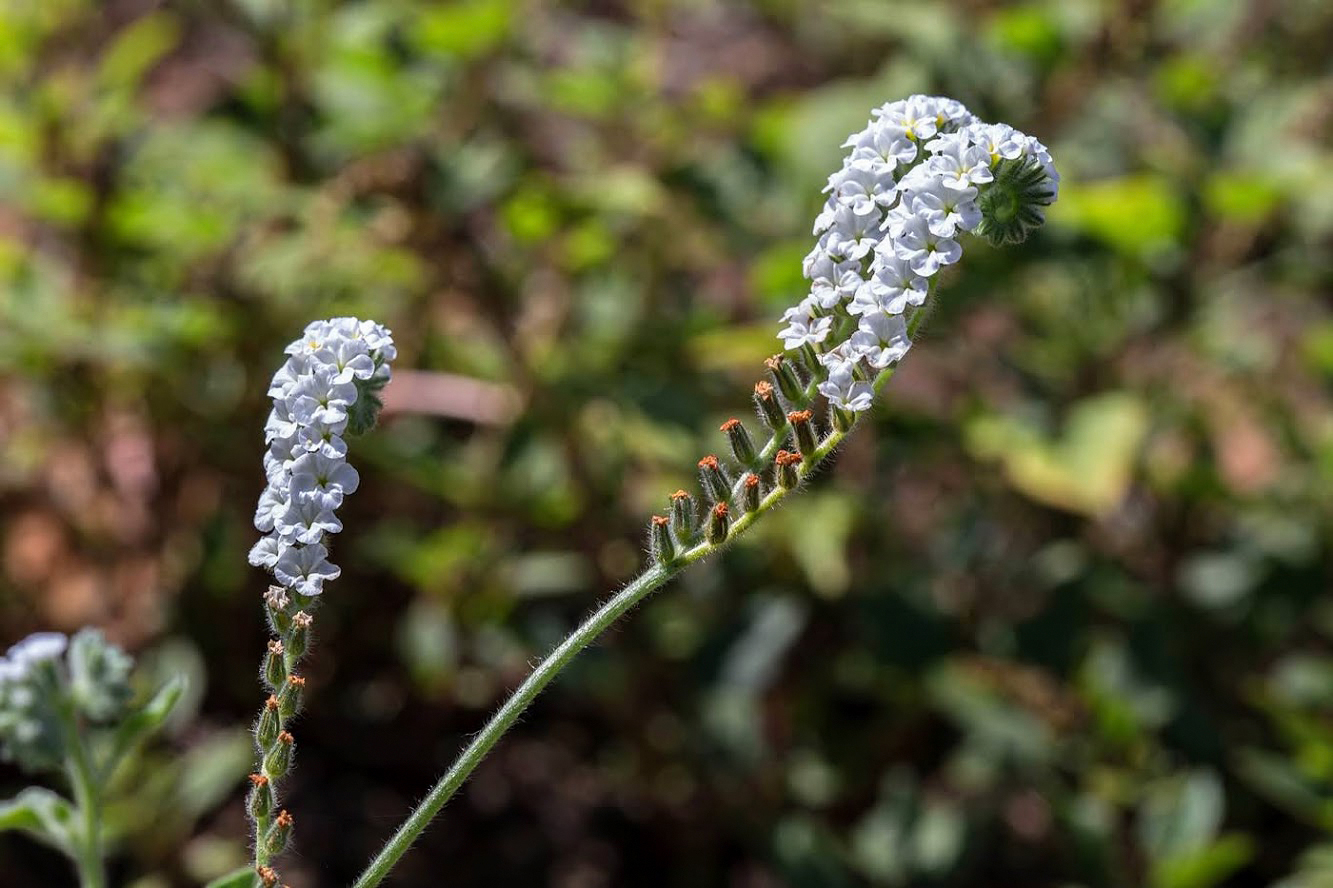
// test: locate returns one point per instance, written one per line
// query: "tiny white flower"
(318, 437)
(267, 551)
(280, 423)
(923, 250)
(842, 388)
(303, 521)
(803, 327)
(323, 479)
(998, 140)
(305, 569)
(319, 397)
(861, 187)
(893, 287)
(272, 503)
(958, 163)
(881, 339)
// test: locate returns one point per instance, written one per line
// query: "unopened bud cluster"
(922, 172)
(290, 621)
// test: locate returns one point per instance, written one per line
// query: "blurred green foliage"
(1055, 618)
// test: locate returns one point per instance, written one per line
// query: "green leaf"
(1181, 815)
(1137, 215)
(1207, 866)
(1086, 469)
(144, 721)
(41, 814)
(240, 878)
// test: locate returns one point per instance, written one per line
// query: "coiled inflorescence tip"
(923, 172)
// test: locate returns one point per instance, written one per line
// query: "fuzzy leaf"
(41, 814)
(147, 719)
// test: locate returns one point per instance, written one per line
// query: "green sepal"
(365, 410)
(1011, 205)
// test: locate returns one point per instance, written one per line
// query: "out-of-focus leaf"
(463, 29)
(1181, 815)
(1087, 469)
(148, 718)
(1275, 778)
(1139, 215)
(41, 814)
(137, 48)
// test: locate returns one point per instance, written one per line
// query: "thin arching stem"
(653, 578)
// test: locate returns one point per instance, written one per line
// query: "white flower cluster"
(332, 374)
(41, 675)
(912, 183)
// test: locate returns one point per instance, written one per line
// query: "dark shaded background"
(1057, 617)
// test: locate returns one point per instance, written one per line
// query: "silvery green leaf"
(41, 814)
(147, 719)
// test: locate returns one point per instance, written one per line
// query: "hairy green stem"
(640, 588)
(88, 798)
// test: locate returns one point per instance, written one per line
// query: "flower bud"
(1011, 205)
(842, 419)
(278, 834)
(684, 517)
(298, 640)
(770, 411)
(718, 524)
(289, 701)
(660, 534)
(275, 666)
(784, 376)
(279, 758)
(808, 355)
(714, 479)
(805, 431)
(742, 445)
(260, 803)
(275, 605)
(751, 493)
(270, 724)
(365, 410)
(268, 876)
(786, 463)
